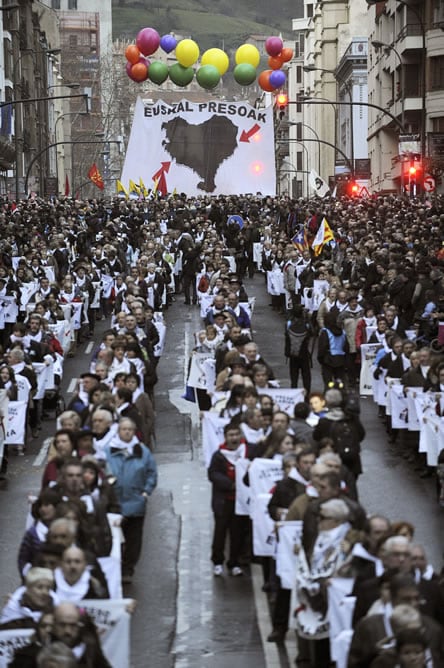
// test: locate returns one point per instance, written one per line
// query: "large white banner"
(207, 148)
(289, 538)
(212, 434)
(368, 355)
(284, 397)
(16, 425)
(264, 533)
(113, 624)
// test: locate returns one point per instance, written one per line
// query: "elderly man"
(134, 470)
(74, 581)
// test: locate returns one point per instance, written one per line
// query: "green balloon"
(244, 74)
(158, 72)
(208, 76)
(180, 75)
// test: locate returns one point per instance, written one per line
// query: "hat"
(36, 574)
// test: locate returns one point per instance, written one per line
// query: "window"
(73, 40)
(55, 4)
(309, 11)
(298, 74)
(299, 166)
(72, 4)
(437, 73)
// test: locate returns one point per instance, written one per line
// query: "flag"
(154, 190)
(323, 235)
(300, 240)
(6, 120)
(133, 190)
(121, 190)
(142, 188)
(318, 184)
(96, 176)
(67, 189)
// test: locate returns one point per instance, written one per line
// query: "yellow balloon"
(247, 53)
(217, 58)
(187, 52)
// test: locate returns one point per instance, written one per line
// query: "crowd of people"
(66, 265)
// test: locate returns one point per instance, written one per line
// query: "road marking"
(38, 461)
(72, 385)
(89, 347)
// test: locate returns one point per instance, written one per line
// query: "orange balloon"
(275, 62)
(139, 72)
(264, 81)
(286, 54)
(132, 53)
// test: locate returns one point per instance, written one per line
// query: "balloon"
(181, 75)
(273, 46)
(244, 74)
(148, 41)
(128, 71)
(286, 54)
(208, 76)
(247, 53)
(187, 52)
(139, 72)
(264, 81)
(168, 43)
(132, 54)
(217, 58)
(275, 62)
(158, 72)
(277, 78)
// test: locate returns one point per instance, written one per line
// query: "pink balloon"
(273, 46)
(147, 41)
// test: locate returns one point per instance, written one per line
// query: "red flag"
(66, 186)
(95, 176)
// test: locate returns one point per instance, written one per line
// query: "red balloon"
(139, 72)
(132, 54)
(286, 54)
(275, 62)
(264, 81)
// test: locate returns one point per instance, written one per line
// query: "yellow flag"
(121, 190)
(156, 185)
(142, 187)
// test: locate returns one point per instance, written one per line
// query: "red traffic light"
(412, 171)
(282, 100)
(354, 189)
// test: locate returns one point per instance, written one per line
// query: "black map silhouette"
(201, 147)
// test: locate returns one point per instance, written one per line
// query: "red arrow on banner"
(159, 176)
(246, 136)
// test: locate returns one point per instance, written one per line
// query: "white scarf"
(73, 593)
(123, 445)
(233, 455)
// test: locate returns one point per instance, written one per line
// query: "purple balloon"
(168, 43)
(147, 41)
(273, 46)
(277, 78)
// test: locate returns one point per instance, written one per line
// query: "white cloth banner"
(76, 319)
(113, 624)
(399, 405)
(112, 571)
(23, 388)
(263, 474)
(197, 376)
(275, 282)
(340, 613)
(257, 254)
(412, 415)
(264, 534)
(16, 425)
(368, 354)
(45, 378)
(161, 328)
(430, 441)
(11, 641)
(26, 292)
(284, 397)
(380, 389)
(212, 434)
(243, 491)
(4, 402)
(390, 382)
(218, 164)
(205, 302)
(289, 537)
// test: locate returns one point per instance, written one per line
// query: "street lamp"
(313, 68)
(59, 143)
(304, 125)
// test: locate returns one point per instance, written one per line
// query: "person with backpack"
(297, 336)
(343, 426)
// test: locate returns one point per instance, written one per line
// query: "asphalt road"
(186, 617)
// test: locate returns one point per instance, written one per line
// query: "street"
(185, 616)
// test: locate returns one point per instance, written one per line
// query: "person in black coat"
(190, 266)
(333, 349)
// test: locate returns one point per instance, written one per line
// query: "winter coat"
(135, 474)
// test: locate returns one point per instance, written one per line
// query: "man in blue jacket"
(132, 466)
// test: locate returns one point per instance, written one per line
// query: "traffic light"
(282, 104)
(354, 189)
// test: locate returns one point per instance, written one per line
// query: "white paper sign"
(16, 424)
